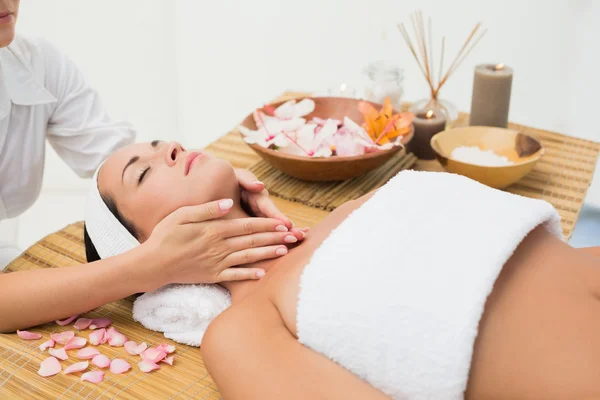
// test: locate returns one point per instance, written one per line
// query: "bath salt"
(474, 155)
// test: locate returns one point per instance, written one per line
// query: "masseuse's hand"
(193, 245)
(256, 199)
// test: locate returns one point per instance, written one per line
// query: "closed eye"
(143, 175)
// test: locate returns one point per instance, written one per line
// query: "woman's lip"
(5, 17)
(190, 159)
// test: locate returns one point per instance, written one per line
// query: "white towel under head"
(182, 312)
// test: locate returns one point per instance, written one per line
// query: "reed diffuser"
(422, 50)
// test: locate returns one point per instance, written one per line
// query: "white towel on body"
(395, 294)
(181, 312)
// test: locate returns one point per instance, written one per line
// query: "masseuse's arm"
(79, 128)
(192, 245)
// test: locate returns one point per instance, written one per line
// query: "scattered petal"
(100, 323)
(77, 367)
(153, 354)
(82, 323)
(101, 361)
(50, 366)
(26, 335)
(87, 353)
(66, 321)
(168, 360)
(98, 337)
(115, 338)
(167, 348)
(75, 343)
(147, 366)
(93, 376)
(118, 366)
(47, 344)
(59, 353)
(135, 349)
(63, 337)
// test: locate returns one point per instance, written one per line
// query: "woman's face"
(148, 181)
(8, 17)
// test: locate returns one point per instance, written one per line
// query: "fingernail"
(282, 251)
(305, 229)
(260, 274)
(290, 239)
(281, 228)
(258, 183)
(303, 234)
(225, 205)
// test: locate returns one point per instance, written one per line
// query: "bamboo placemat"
(20, 359)
(329, 195)
(562, 178)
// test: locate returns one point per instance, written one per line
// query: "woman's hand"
(192, 245)
(256, 199)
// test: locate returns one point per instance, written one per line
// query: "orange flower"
(384, 126)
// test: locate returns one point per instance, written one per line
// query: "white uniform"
(44, 95)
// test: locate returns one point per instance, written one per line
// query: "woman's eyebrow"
(155, 143)
(131, 161)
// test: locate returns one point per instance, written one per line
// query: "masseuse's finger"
(240, 274)
(203, 212)
(262, 205)
(247, 226)
(253, 255)
(248, 181)
(259, 240)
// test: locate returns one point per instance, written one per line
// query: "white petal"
(286, 110)
(248, 132)
(305, 107)
(280, 141)
(292, 124)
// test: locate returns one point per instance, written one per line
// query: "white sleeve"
(79, 128)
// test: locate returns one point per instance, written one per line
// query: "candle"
(491, 95)
(427, 124)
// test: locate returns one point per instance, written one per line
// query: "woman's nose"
(174, 150)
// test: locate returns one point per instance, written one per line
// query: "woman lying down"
(433, 287)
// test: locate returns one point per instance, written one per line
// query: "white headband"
(109, 236)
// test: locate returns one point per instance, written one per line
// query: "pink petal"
(168, 360)
(135, 349)
(75, 343)
(93, 376)
(63, 337)
(82, 323)
(66, 321)
(167, 348)
(115, 338)
(47, 344)
(87, 352)
(153, 354)
(29, 335)
(100, 323)
(59, 353)
(147, 366)
(98, 337)
(77, 367)
(118, 366)
(50, 366)
(101, 361)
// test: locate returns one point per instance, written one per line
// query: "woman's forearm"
(29, 298)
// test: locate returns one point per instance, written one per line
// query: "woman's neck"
(239, 289)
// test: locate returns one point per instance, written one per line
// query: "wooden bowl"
(524, 151)
(331, 168)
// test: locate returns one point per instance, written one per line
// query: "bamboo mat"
(329, 195)
(562, 177)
